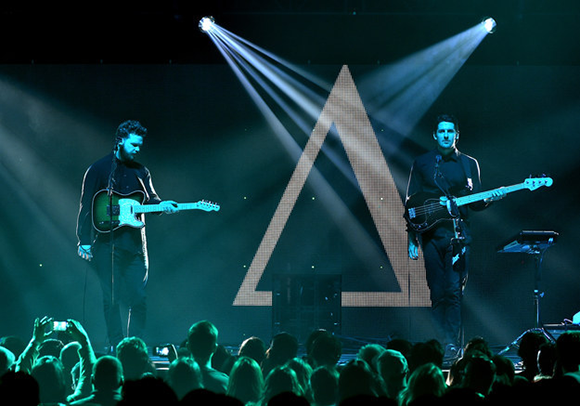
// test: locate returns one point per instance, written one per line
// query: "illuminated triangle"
(344, 109)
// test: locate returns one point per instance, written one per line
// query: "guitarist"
(120, 256)
(446, 172)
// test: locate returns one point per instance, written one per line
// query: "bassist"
(119, 257)
(446, 172)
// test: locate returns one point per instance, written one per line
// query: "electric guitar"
(424, 210)
(126, 208)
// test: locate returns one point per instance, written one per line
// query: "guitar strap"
(467, 170)
(143, 187)
(458, 261)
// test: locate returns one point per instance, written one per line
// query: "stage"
(301, 122)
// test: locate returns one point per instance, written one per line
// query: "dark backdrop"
(519, 116)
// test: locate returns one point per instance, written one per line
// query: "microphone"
(438, 159)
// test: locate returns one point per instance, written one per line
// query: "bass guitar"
(123, 210)
(423, 210)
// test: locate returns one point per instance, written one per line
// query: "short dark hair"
(202, 340)
(450, 118)
(130, 127)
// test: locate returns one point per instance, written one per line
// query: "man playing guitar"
(447, 173)
(119, 254)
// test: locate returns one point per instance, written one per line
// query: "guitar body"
(423, 211)
(122, 214)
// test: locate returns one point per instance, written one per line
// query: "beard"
(125, 156)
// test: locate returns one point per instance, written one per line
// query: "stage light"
(489, 24)
(206, 24)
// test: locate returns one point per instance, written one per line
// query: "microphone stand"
(111, 227)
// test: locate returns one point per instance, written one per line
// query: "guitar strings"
(428, 208)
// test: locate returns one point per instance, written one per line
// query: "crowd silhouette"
(48, 371)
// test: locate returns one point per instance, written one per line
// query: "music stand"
(532, 243)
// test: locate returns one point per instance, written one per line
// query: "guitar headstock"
(535, 183)
(208, 206)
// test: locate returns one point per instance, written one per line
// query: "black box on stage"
(302, 303)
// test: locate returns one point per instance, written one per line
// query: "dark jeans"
(446, 285)
(126, 285)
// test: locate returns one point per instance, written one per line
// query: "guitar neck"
(156, 208)
(460, 201)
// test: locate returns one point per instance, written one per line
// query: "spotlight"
(206, 24)
(489, 24)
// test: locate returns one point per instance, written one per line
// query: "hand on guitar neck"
(496, 194)
(169, 207)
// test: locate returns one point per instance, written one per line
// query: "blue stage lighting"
(489, 24)
(206, 24)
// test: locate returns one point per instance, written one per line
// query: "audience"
(49, 373)
(107, 383)
(283, 348)
(400, 373)
(134, 356)
(69, 356)
(480, 373)
(19, 388)
(324, 386)
(202, 342)
(183, 376)
(568, 355)
(426, 384)
(246, 381)
(49, 369)
(393, 370)
(253, 347)
(528, 351)
(429, 352)
(6, 360)
(148, 390)
(370, 353)
(326, 350)
(222, 359)
(280, 379)
(303, 371)
(356, 378)
(547, 357)
(13, 343)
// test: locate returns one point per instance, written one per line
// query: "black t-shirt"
(454, 175)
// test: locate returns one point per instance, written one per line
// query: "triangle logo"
(344, 109)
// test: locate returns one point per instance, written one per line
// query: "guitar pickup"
(106, 223)
(116, 210)
(412, 213)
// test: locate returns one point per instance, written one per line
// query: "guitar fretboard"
(154, 208)
(485, 195)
